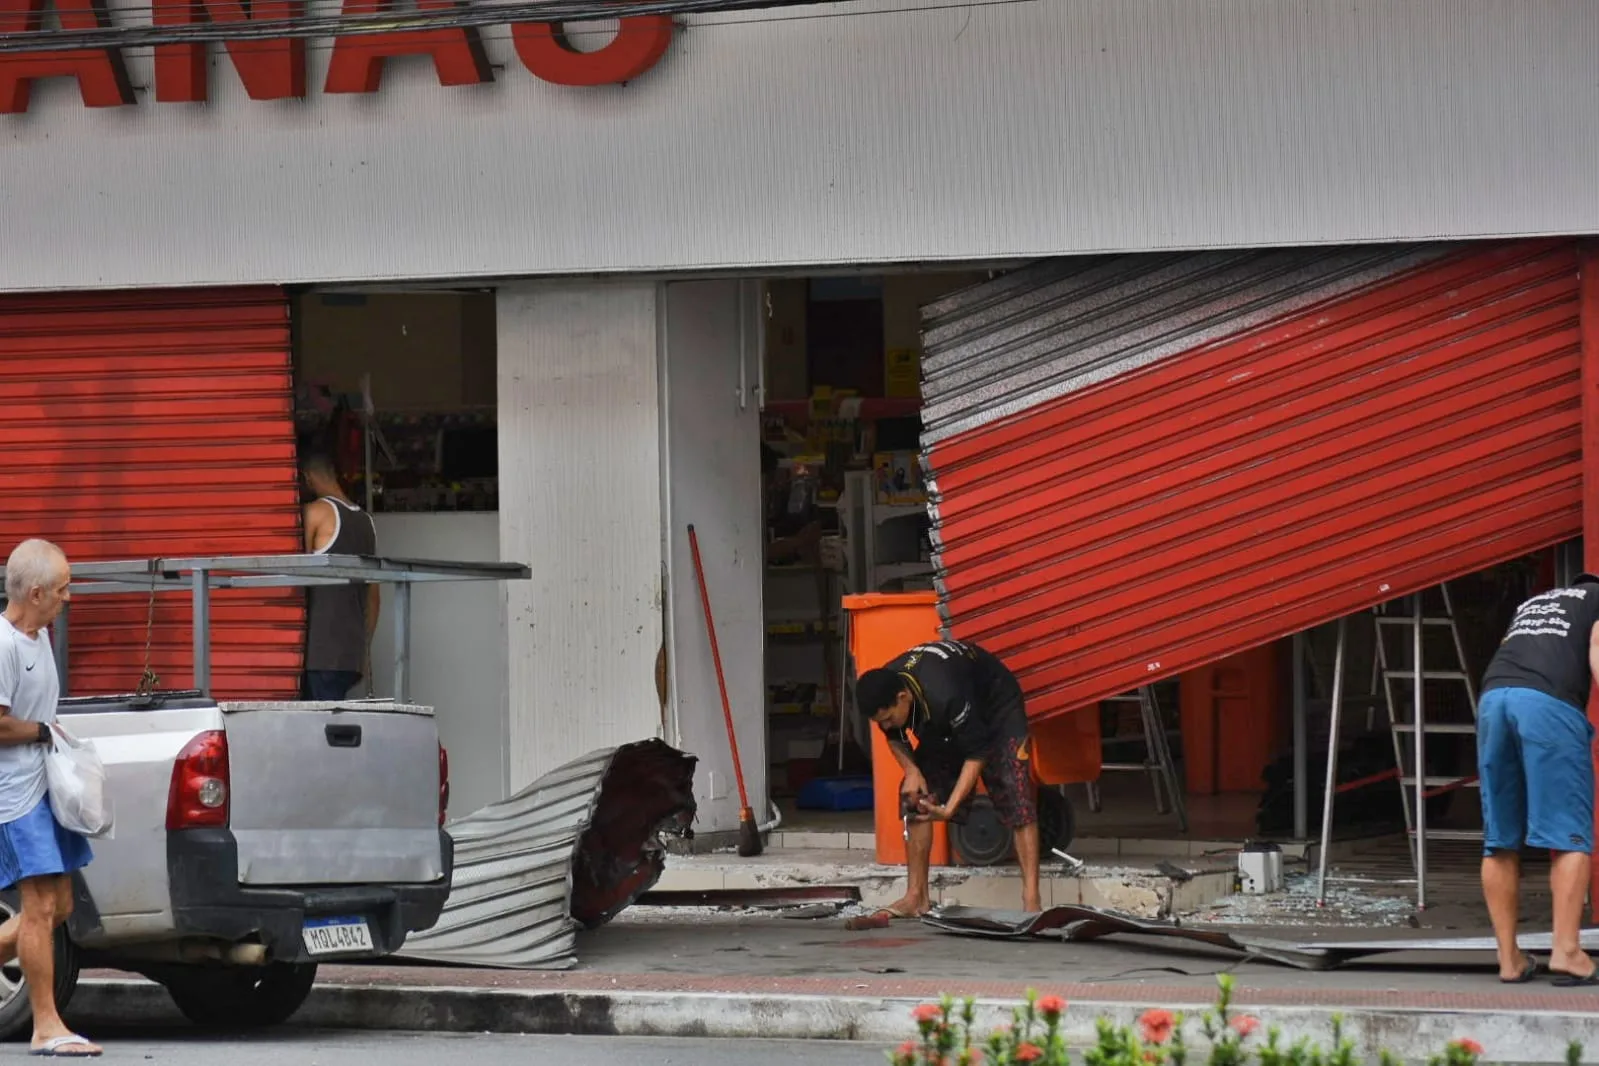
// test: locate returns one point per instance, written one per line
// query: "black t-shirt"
(1546, 648)
(966, 700)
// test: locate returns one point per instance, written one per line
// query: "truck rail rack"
(199, 575)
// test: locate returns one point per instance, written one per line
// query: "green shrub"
(945, 1037)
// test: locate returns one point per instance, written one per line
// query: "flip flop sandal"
(1528, 972)
(58, 1048)
(1569, 980)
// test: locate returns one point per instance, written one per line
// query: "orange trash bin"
(883, 625)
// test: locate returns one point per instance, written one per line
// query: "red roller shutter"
(1196, 455)
(140, 424)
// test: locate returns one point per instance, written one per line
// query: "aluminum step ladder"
(1158, 762)
(1407, 718)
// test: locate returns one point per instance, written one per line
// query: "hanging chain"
(148, 679)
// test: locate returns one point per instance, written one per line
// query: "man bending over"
(965, 708)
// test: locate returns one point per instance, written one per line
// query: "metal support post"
(1335, 719)
(202, 631)
(1301, 743)
(402, 642)
(59, 641)
(1420, 717)
(1567, 564)
(1588, 382)
(366, 439)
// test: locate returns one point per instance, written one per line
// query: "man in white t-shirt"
(37, 855)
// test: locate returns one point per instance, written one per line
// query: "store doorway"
(844, 511)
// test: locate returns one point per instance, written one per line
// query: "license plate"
(333, 936)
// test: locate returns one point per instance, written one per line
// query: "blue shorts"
(35, 846)
(1535, 758)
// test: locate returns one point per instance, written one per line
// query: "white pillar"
(711, 383)
(580, 503)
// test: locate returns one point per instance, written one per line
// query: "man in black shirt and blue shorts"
(1535, 761)
(965, 708)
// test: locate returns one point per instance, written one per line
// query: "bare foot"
(907, 907)
(1577, 965)
(1517, 970)
(65, 1045)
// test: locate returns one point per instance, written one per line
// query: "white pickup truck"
(254, 840)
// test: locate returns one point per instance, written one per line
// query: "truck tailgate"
(326, 793)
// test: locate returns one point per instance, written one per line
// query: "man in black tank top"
(340, 618)
(1535, 764)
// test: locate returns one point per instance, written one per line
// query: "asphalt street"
(303, 1047)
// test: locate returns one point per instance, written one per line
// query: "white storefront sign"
(884, 130)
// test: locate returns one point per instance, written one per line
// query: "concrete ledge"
(1517, 1036)
(1084, 847)
(1141, 893)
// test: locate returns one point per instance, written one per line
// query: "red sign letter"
(102, 79)
(357, 62)
(270, 70)
(639, 45)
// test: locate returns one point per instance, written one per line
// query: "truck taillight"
(444, 783)
(198, 797)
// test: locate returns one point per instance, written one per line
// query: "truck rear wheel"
(242, 998)
(16, 1006)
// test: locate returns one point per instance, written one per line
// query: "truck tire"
(240, 998)
(983, 840)
(1057, 822)
(16, 1007)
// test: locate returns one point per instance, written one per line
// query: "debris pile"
(1377, 905)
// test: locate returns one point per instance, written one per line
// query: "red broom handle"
(716, 658)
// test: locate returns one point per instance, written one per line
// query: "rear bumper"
(209, 902)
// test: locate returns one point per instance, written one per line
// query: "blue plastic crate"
(836, 794)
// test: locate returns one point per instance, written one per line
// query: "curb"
(1412, 1034)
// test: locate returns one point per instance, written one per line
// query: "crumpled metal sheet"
(1078, 924)
(1242, 411)
(570, 851)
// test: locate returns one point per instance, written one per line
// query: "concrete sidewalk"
(1131, 887)
(696, 974)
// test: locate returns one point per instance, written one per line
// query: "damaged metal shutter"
(1145, 463)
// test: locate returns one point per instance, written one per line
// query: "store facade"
(616, 228)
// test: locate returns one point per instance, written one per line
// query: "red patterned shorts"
(1006, 776)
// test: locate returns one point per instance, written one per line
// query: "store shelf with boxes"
(399, 390)
(845, 507)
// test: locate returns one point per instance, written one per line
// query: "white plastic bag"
(77, 786)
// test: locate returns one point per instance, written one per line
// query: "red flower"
(927, 1014)
(1051, 1007)
(1157, 1026)
(1469, 1046)
(907, 1048)
(1243, 1025)
(1028, 1053)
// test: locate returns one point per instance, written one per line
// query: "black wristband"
(44, 733)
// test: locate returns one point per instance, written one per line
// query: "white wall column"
(457, 647)
(580, 503)
(711, 384)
